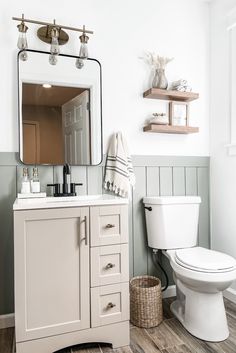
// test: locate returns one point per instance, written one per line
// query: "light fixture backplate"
(44, 34)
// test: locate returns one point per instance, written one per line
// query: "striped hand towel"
(119, 173)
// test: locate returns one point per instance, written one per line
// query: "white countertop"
(70, 201)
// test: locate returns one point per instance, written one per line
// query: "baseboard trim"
(169, 292)
(7, 321)
(230, 294)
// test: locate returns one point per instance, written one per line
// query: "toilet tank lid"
(171, 200)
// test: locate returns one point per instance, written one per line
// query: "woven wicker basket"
(145, 301)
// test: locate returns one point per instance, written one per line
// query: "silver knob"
(110, 226)
(110, 305)
(110, 266)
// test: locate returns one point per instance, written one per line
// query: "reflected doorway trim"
(37, 129)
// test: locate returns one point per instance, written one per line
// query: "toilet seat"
(204, 260)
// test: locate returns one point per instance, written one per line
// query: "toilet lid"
(204, 260)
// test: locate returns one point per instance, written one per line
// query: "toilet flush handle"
(148, 208)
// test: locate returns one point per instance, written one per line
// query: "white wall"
(223, 167)
(123, 31)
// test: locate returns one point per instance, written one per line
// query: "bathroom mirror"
(60, 117)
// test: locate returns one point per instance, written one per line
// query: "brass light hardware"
(45, 34)
(110, 226)
(110, 265)
(110, 305)
(52, 31)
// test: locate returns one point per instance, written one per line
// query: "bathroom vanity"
(71, 272)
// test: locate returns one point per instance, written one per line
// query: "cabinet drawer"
(109, 304)
(109, 264)
(109, 225)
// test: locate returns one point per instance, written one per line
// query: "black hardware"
(68, 188)
(66, 179)
(148, 208)
(73, 185)
(57, 188)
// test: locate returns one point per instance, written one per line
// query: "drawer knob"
(108, 266)
(110, 305)
(110, 226)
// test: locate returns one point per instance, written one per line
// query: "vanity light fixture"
(53, 34)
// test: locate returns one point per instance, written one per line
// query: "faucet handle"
(73, 185)
(57, 188)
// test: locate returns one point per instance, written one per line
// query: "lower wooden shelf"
(169, 129)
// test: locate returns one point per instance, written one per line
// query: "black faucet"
(68, 188)
(66, 179)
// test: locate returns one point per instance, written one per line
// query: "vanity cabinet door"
(109, 225)
(51, 272)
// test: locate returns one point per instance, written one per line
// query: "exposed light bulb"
(23, 55)
(53, 59)
(46, 85)
(83, 52)
(54, 43)
(22, 41)
(79, 63)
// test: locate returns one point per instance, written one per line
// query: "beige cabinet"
(51, 272)
(65, 282)
(109, 225)
(109, 264)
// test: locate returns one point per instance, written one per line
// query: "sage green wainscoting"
(155, 175)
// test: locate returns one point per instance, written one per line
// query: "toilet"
(200, 275)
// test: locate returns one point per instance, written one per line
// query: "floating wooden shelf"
(156, 93)
(169, 129)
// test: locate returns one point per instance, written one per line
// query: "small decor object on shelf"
(179, 113)
(158, 63)
(181, 86)
(159, 119)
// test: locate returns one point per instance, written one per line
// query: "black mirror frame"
(18, 102)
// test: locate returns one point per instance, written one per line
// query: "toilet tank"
(172, 221)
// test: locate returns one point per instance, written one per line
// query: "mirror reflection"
(60, 118)
(56, 124)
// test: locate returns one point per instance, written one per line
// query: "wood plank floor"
(168, 337)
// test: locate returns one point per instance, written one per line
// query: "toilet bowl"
(199, 304)
(200, 274)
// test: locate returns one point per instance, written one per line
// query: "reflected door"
(31, 142)
(75, 121)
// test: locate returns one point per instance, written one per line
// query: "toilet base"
(202, 314)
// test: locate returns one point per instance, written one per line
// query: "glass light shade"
(83, 53)
(22, 41)
(54, 49)
(53, 59)
(79, 63)
(23, 55)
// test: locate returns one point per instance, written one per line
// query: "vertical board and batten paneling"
(7, 197)
(153, 189)
(204, 216)
(155, 175)
(139, 228)
(166, 177)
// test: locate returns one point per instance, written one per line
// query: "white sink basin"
(68, 201)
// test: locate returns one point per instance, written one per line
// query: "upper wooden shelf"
(156, 93)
